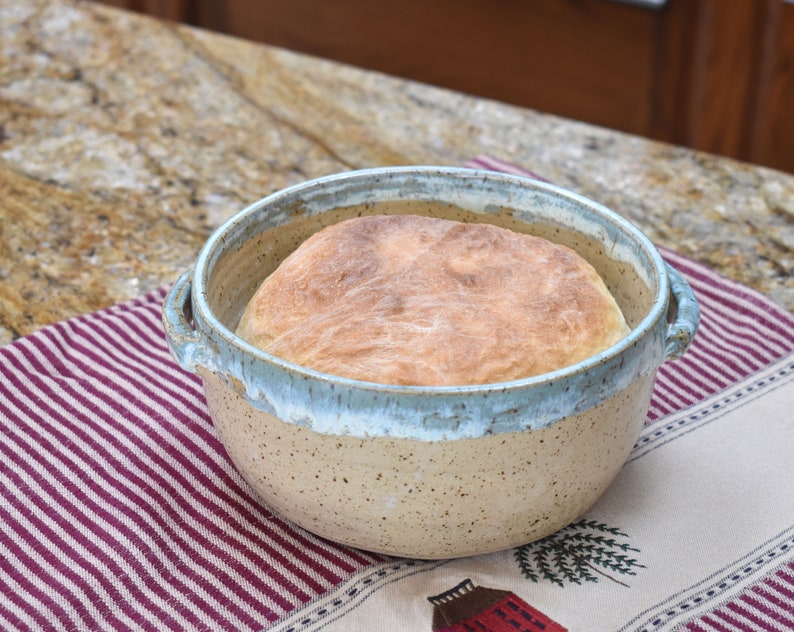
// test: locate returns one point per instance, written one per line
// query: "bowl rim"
(200, 278)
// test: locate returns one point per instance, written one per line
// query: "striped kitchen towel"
(121, 511)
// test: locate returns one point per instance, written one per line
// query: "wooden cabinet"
(589, 59)
(735, 93)
(178, 10)
(770, 131)
(708, 74)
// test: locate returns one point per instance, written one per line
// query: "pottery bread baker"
(427, 471)
(406, 299)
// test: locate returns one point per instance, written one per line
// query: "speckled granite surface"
(124, 141)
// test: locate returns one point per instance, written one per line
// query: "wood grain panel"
(176, 10)
(771, 140)
(723, 73)
(586, 59)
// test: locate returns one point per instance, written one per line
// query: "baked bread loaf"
(410, 300)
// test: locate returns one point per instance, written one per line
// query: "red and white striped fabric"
(741, 332)
(121, 509)
(768, 605)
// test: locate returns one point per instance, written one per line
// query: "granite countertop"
(124, 141)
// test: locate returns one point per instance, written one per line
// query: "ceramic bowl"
(427, 472)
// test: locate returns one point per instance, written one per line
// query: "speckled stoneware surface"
(125, 141)
(437, 499)
(381, 467)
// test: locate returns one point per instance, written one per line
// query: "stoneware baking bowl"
(427, 472)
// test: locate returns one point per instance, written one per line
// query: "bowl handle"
(185, 343)
(682, 330)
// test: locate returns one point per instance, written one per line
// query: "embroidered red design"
(470, 608)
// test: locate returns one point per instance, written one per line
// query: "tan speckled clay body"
(430, 499)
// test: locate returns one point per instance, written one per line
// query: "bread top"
(410, 300)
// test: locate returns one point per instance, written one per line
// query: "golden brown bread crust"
(403, 299)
